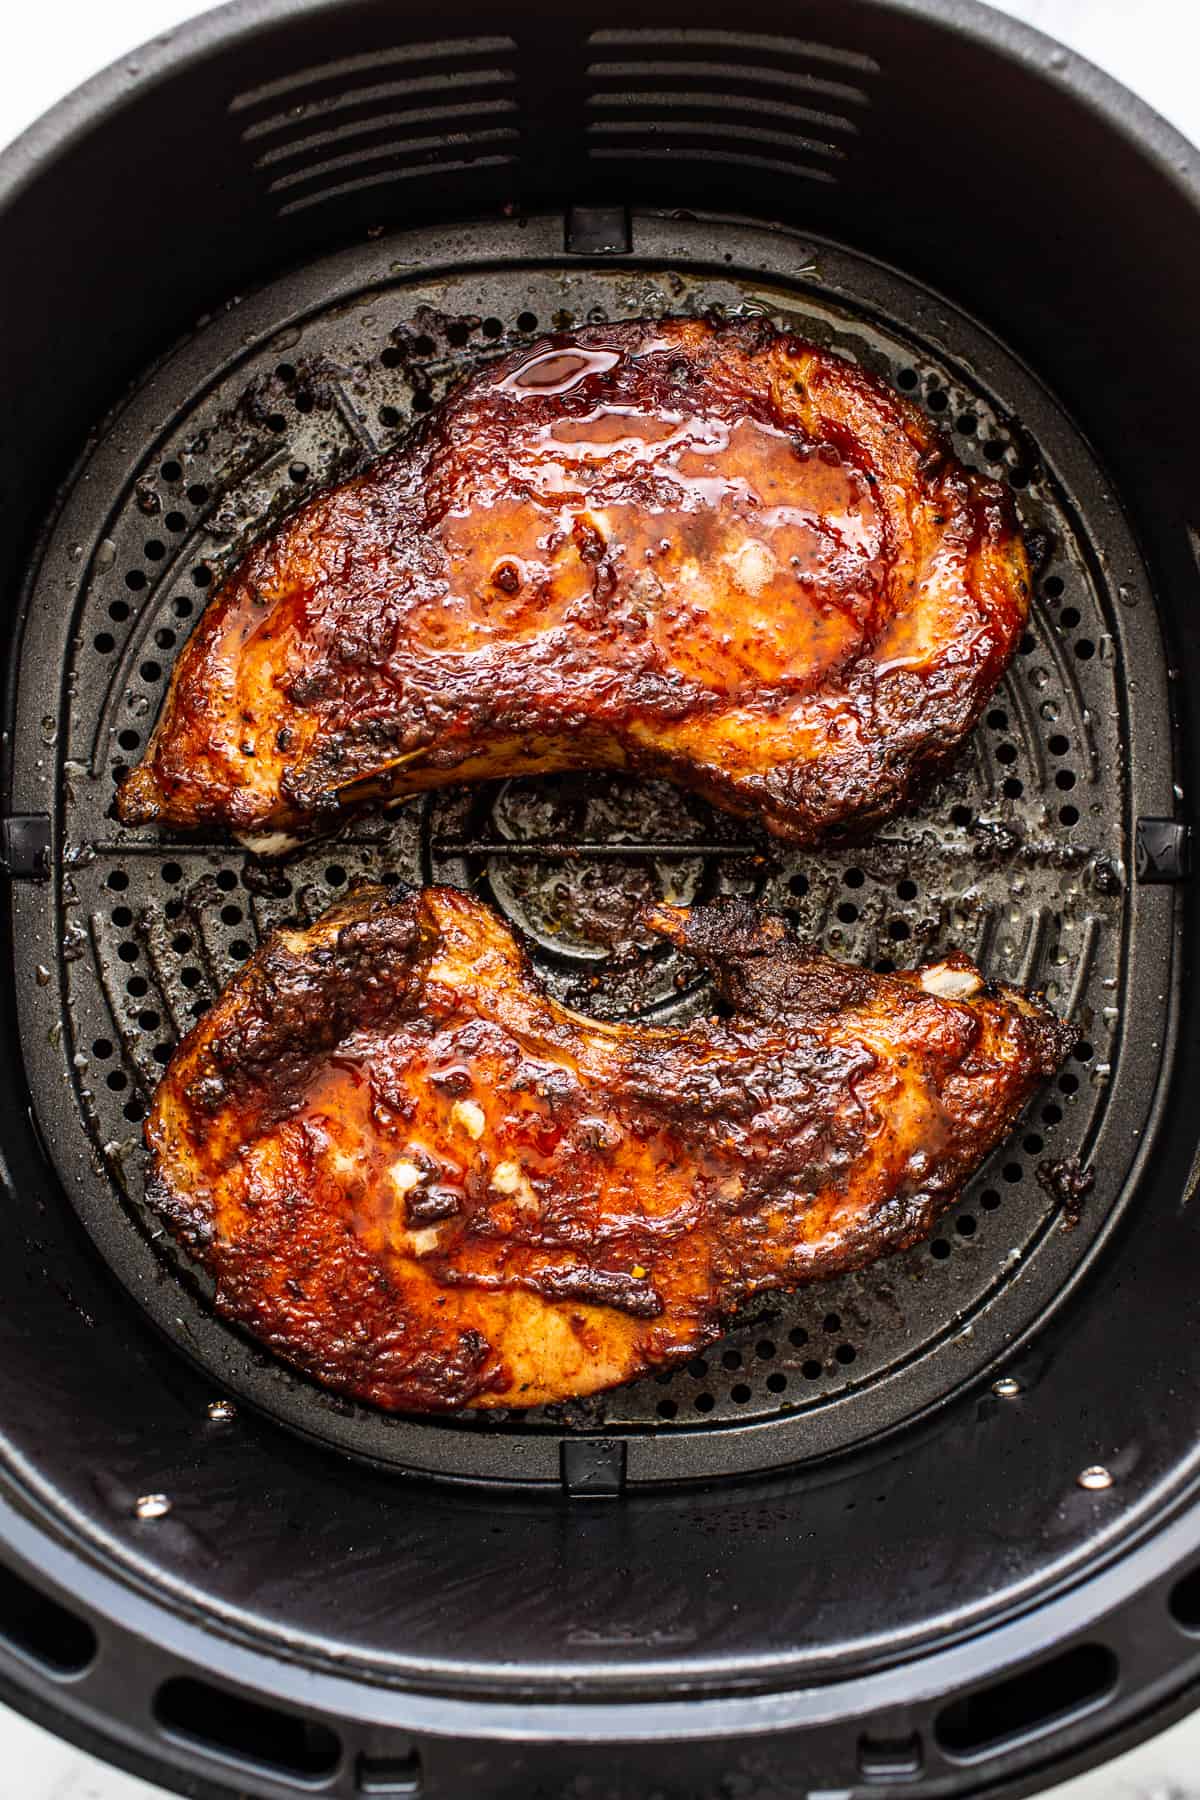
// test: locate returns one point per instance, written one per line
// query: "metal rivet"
(152, 1506)
(1006, 1388)
(221, 1411)
(1095, 1479)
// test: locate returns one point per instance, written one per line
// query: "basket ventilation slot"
(42, 1629)
(767, 102)
(246, 1732)
(1185, 1601)
(1010, 1712)
(370, 121)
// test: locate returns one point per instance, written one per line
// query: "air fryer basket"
(929, 1529)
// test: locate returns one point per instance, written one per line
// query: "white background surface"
(1151, 45)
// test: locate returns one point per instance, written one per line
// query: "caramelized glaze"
(427, 1184)
(708, 551)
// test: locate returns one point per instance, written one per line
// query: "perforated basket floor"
(1022, 857)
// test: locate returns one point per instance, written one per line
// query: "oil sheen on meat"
(705, 551)
(424, 1182)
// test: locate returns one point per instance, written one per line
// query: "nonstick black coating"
(1021, 857)
(816, 1628)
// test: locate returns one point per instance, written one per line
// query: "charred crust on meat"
(476, 603)
(417, 1178)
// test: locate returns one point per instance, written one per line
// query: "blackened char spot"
(757, 965)
(427, 1206)
(600, 1287)
(299, 1007)
(1069, 1184)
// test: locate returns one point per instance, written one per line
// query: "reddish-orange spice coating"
(707, 551)
(418, 1178)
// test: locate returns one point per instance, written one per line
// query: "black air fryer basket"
(932, 1529)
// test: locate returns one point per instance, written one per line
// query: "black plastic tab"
(25, 846)
(592, 1468)
(392, 1775)
(1163, 850)
(891, 1759)
(598, 231)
